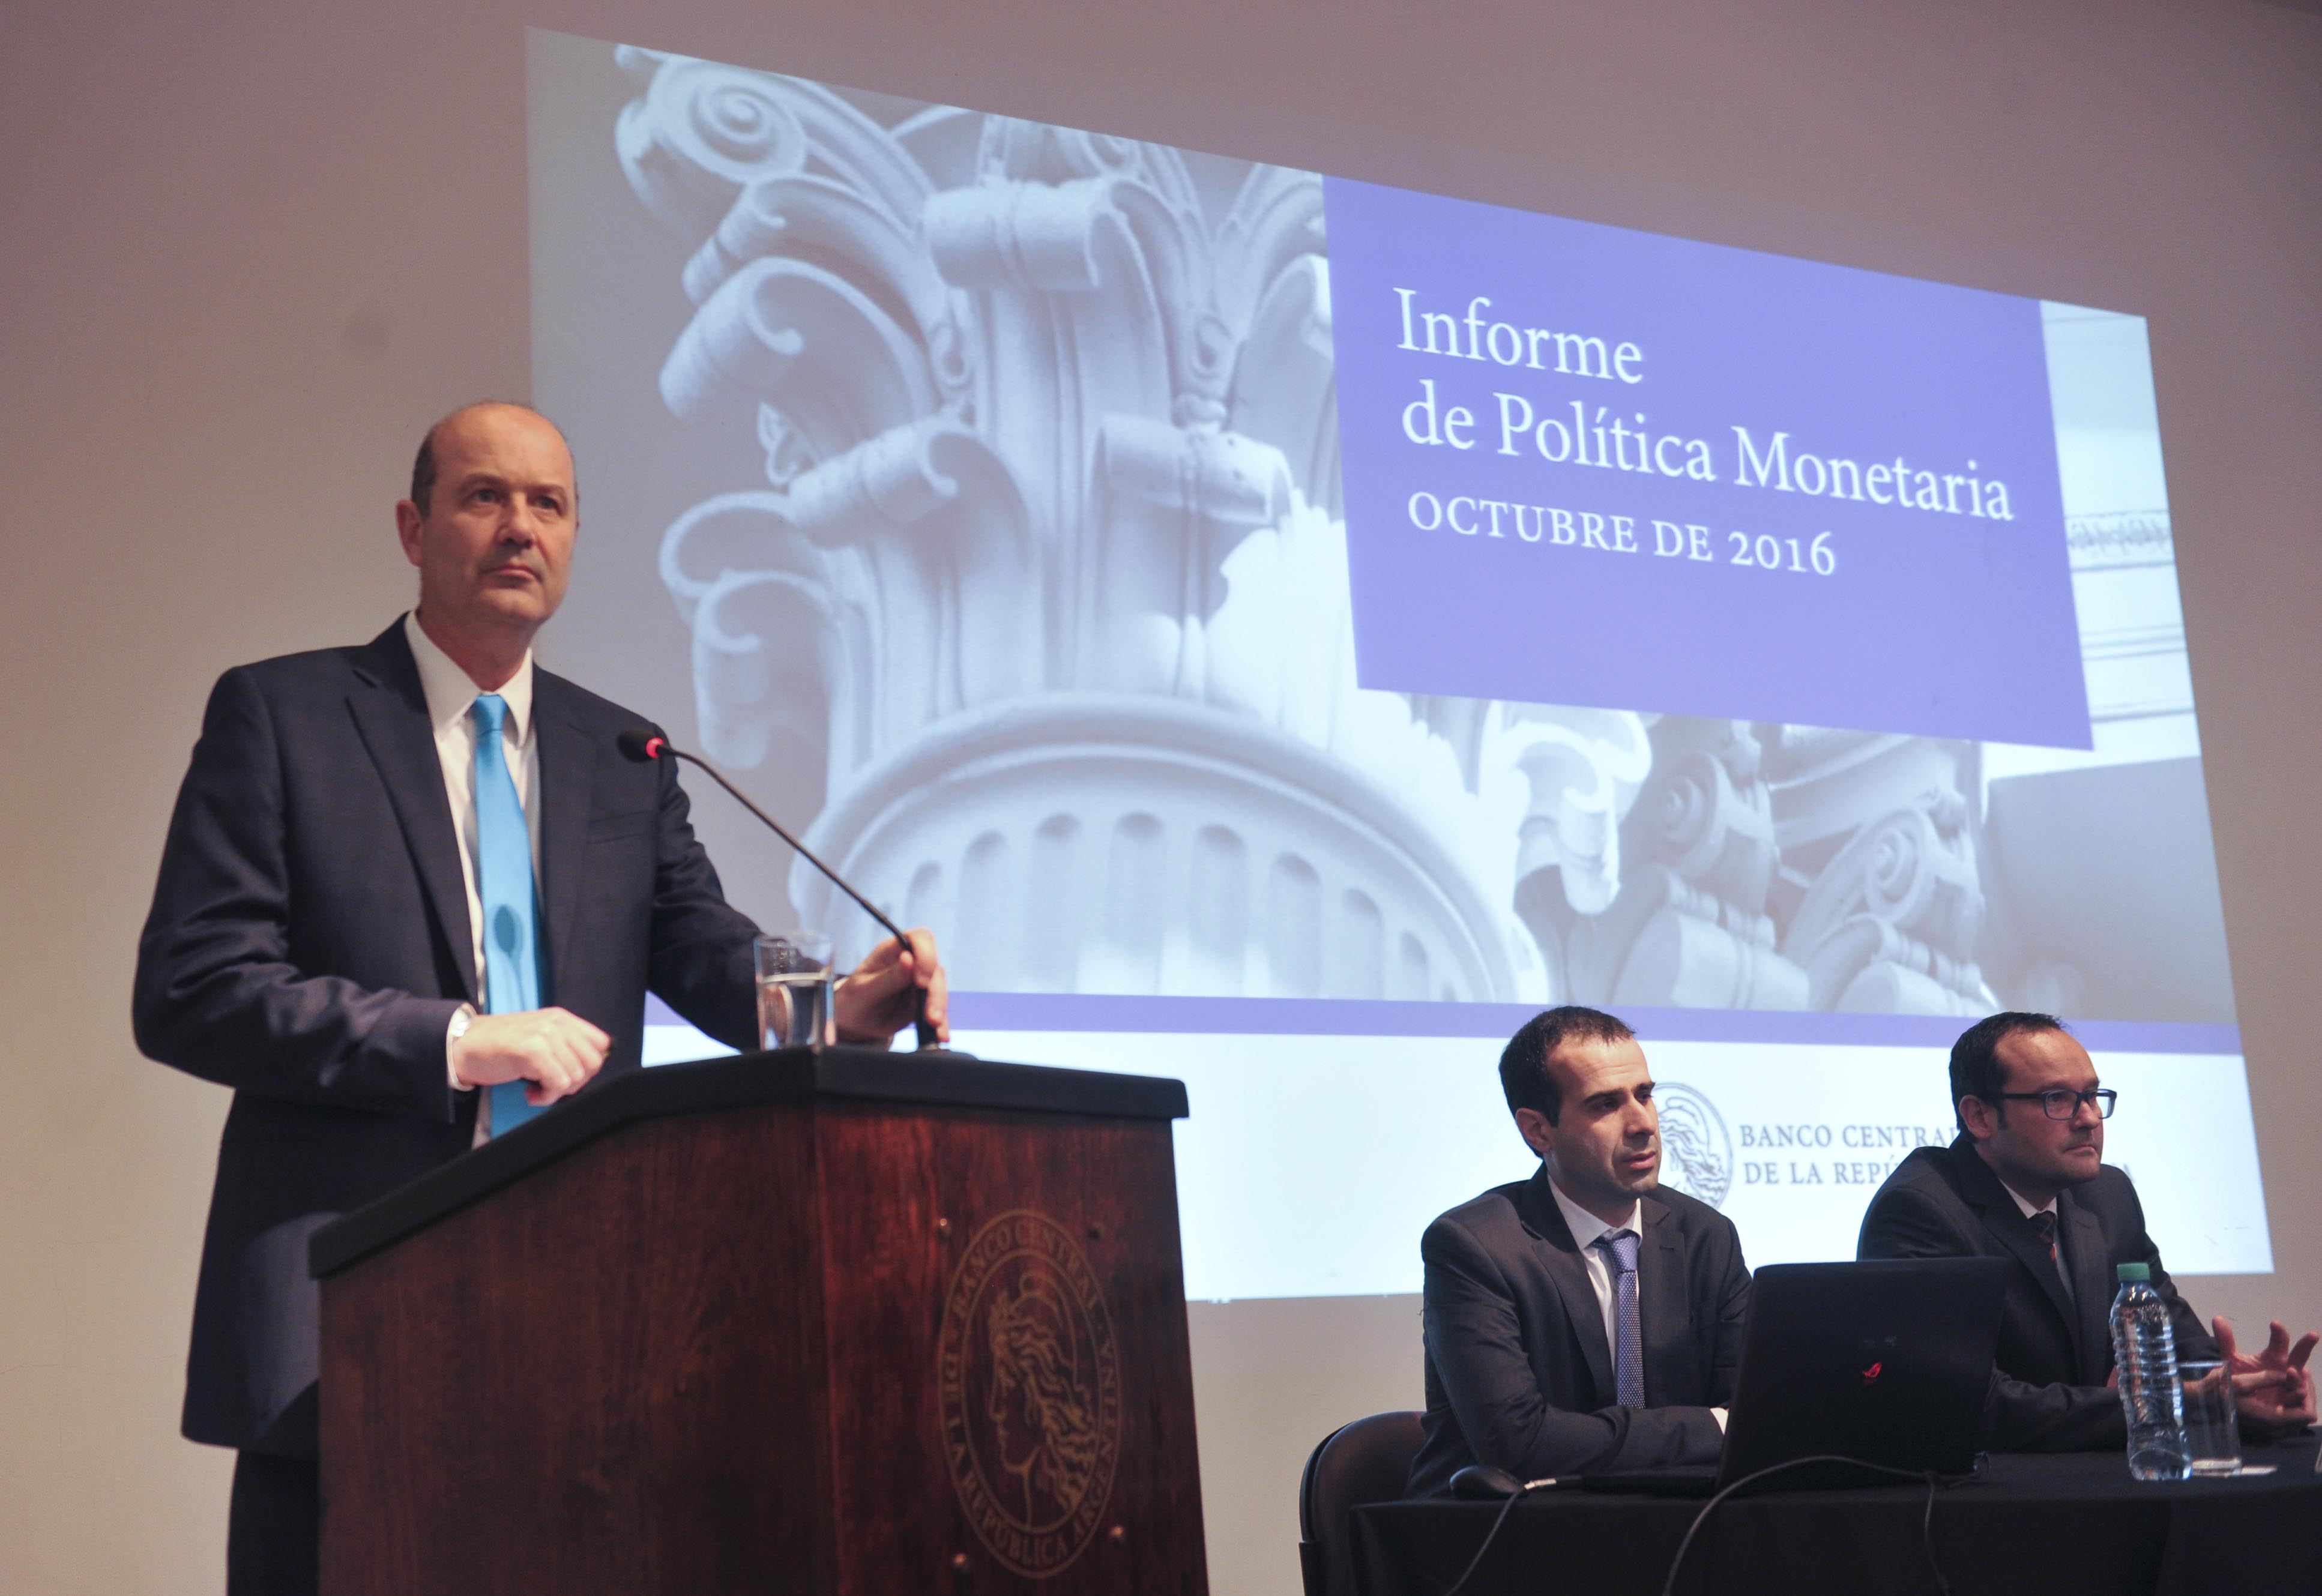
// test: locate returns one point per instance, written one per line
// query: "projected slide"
(1281, 631)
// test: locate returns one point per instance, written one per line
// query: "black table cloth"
(2044, 1525)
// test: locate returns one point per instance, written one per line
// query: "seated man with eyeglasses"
(2026, 1179)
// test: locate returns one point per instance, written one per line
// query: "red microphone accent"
(654, 746)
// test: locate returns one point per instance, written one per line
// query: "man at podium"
(411, 895)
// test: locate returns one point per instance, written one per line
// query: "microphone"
(643, 745)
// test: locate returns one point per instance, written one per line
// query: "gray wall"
(250, 250)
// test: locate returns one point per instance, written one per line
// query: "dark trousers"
(273, 1538)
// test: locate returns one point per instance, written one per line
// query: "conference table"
(2054, 1525)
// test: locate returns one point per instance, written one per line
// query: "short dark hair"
(1523, 1062)
(422, 465)
(1975, 1058)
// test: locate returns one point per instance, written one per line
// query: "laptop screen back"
(1888, 1363)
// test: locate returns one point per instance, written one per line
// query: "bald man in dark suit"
(316, 939)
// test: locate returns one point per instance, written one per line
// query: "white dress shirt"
(2029, 1208)
(451, 693)
(1586, 1229)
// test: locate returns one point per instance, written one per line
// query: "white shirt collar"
(451, 690)
(1586, 1226)
(2027, 1205)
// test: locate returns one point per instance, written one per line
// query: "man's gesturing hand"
(2272, 1385)
(553, 1050)
(880, 997)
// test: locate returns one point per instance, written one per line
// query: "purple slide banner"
(1331, 1016)
(1590, 466)
(1338, 1016)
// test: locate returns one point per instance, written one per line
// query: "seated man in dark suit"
(1584, 1320)
(2026, 1181)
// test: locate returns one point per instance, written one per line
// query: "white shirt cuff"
(1719, 1414)
(461, 1019)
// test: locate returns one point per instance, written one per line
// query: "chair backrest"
(1367, 1461)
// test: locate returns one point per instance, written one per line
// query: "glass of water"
(2212, 1431)
(794, 990)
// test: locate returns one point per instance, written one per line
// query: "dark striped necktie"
(2044, 1222)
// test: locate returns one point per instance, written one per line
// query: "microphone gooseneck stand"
(646, 746)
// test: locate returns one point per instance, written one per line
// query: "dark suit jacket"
(1518, 1370)
(309, 943)
(2056, 1351)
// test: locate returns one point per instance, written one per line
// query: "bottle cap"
(2128, 1272)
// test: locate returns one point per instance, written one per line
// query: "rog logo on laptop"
(1870, 1355)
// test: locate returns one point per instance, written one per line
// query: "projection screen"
(1282, 632)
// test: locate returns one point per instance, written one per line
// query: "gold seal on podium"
(1029, 1373)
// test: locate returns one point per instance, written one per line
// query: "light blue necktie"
(1628, 1347)
(504, 884)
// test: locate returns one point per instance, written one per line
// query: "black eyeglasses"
(2059, 1102)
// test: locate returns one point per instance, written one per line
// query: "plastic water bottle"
(2145, 1352)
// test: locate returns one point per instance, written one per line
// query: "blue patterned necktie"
(504, 884)
(1620, 1248)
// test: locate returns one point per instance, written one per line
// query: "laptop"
(1887, 1362)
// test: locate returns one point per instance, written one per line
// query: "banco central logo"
(1696, 1149)
(1029, 1375)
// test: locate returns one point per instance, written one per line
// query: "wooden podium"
(836, 1321)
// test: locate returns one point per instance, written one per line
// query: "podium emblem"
(1030, 1373)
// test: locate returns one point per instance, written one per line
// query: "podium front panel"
(820, 1343)
(1029, 1271)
